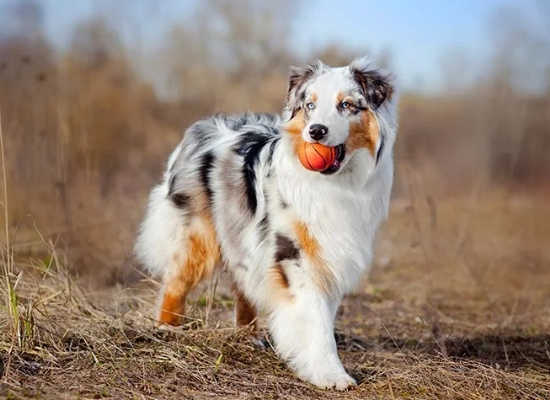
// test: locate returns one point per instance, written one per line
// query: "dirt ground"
(457, 306)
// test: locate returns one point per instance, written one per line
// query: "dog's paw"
(258, 342)
(160, 327)
(338, 381)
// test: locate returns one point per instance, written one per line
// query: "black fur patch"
(379, 153)
(299, 75)
(250, 147)
(296, 80)
(375, 85)
(207, 163)
(180, 200)
(286, 249)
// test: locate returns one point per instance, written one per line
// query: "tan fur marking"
(313, 98)
(297, 124)
(295, 127)
(171, 310)
(245, 312)
(340, 98)
(279, 283)
(323, 275)
(306, 241)
(280, 277)
(201, 257)
(364, 134)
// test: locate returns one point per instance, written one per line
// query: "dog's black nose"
(318, 131)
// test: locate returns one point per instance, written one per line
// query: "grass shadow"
(509, 352)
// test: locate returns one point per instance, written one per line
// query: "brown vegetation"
(457, 304)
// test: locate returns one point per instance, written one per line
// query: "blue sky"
(418, 32)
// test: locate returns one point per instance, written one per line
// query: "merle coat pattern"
(295, 241)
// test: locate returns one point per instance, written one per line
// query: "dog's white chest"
(343, 224)
(345, 231)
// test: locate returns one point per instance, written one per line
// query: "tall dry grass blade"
(7, 261)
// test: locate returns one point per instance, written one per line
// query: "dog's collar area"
(340, 155)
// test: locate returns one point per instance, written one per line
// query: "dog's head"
(346, 107)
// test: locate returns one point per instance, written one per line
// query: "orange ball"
(315, 156)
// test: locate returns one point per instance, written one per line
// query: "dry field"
(456, 307)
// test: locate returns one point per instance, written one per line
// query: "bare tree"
(226, 44)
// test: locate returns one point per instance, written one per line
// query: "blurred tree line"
(87, 129)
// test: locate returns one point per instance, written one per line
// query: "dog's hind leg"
(245, 311)
(199, 256)
(246, 315)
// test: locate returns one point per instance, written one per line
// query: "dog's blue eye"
(311, 106)
(345, 105)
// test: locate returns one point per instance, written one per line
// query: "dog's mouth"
(335, 166)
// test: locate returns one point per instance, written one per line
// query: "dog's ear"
(298, 77)
(376, 84)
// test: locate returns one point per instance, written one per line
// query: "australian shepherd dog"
(295, 241)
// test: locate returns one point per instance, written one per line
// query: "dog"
(295, 241)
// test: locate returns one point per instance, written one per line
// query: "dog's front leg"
(303, 330)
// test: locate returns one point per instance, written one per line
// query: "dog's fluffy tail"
(157, 239)
(161, 235)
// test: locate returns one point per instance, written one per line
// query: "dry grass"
(425, 326)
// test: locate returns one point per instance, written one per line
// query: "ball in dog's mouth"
(335, 166)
